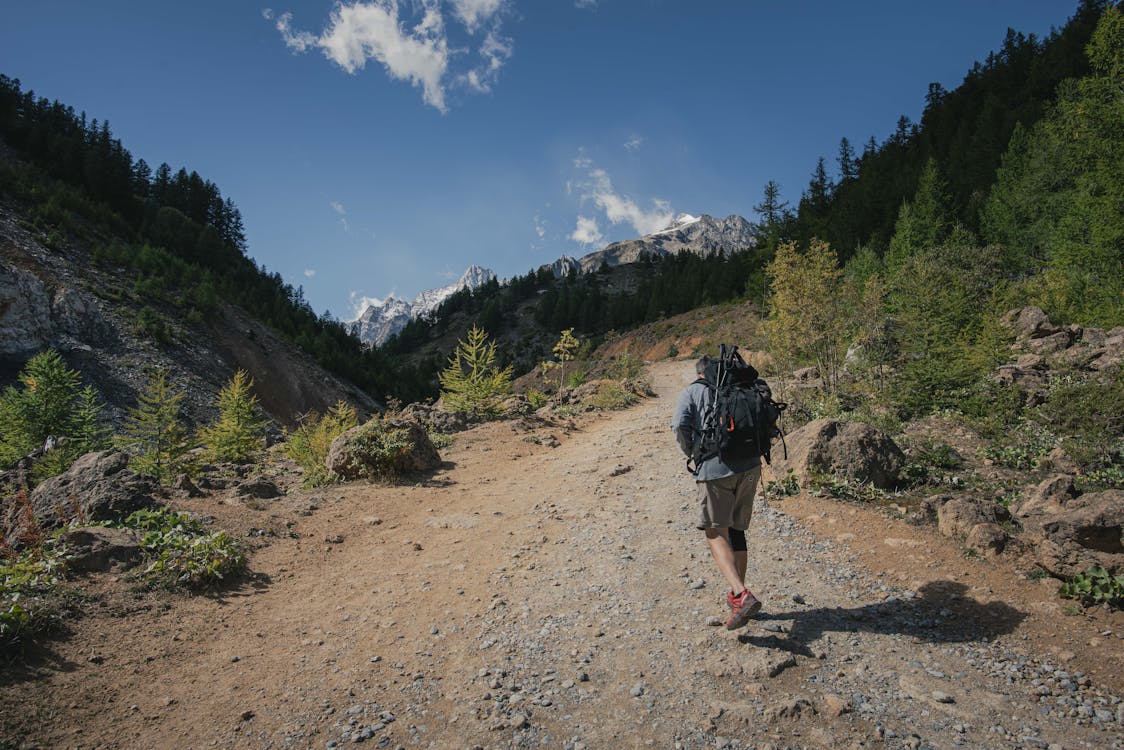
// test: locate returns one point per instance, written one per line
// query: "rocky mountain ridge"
(384, 318)
(703, 235)
(55, 297)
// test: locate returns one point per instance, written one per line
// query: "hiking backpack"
(741, 410)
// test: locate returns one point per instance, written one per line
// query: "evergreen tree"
(848, 167)
(473, 382)
(922, 223)
(237, 433)
(153, 432)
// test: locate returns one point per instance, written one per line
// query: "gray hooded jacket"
(687, 424)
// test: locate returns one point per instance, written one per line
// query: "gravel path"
(538, 596)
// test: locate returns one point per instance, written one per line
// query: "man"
(726, 485)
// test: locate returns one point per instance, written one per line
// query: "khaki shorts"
(727, 503)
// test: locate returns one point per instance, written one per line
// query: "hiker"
(726, 484)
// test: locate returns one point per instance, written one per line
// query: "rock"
(97, 487)
(263, 489)
(765, 663)
(619, 469)
(848, 448)
(988, 539)
(637, 690)
(957, 516)
(1029, 323)
(1050, 344)
(1086, 533)
(942, 697)
(184, 485)
(437, 418)
(1048, 498)
(382, 449)
(96, 548)
(834, 705)
(790, 708)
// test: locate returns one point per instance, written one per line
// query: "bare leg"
(719, 542)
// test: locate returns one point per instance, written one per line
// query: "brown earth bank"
(534, 596)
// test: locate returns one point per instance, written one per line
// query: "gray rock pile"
(850, 449)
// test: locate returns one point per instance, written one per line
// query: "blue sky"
(380, 146)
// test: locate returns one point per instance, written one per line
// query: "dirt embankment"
(526, 596)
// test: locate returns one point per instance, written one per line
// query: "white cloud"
(474, 13)
(309, 273)
(267, 13)
(338, 208)
(364, 30)
(360, 302)
(587, 232)
(598, 187)
(585, 4)
(540, 226)
(634, 142)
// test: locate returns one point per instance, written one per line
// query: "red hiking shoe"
(742, 608)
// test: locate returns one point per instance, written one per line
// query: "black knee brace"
(737, 540)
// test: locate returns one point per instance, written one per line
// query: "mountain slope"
(703, 235)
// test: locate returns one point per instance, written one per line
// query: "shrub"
(1095, 586)
(308, 444)
(1023, 447)
(383, 447)
(611, 395)
(1108, 478)
(787, 487)
(29, 599)
(180, 551)
(844, 488)
(1088, 415)
(929, 461)
(536, 398)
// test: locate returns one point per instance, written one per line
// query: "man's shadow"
(940, 613)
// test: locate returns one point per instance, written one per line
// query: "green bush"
(29, 598)
(1089, 417)
(929, 462)
(180, 551)
(787, 487)
(1108, 478)
(308, 444)
(383, 447)
(153, 432)
(611, 395)
(1095, 586)
(536, 398)
(440, 439)
(1022, 447)
(844, 488)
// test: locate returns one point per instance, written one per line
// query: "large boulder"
(832, 446)
(382, 449)
(1086, 533)
(1046, 499)
(436, 418)
(960, 514)
(97, 487)
(1030, 323)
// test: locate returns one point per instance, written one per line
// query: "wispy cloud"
(588, 4)
(421, 54)
(634, 142)
(596, 185)
(309, 273)
(587, 232)
(360, 302)
(540, 226)
(339, 209)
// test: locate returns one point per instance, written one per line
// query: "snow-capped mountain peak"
(385, 318)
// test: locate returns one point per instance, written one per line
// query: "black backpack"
(741, 411)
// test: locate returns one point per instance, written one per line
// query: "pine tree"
(237, 434)
(923, 223)
(473, 382)
(153, 433)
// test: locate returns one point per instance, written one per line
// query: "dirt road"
(537, 596)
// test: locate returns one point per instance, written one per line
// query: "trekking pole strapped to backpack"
(741, 410)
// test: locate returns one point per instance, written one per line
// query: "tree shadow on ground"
(942, 612)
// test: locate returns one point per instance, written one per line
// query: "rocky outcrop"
(1085, 532)
(436, 418)
(34, 317)
(1040, 344)
(97, 487)
(702, 235)
(382, 449)
(850, 449)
